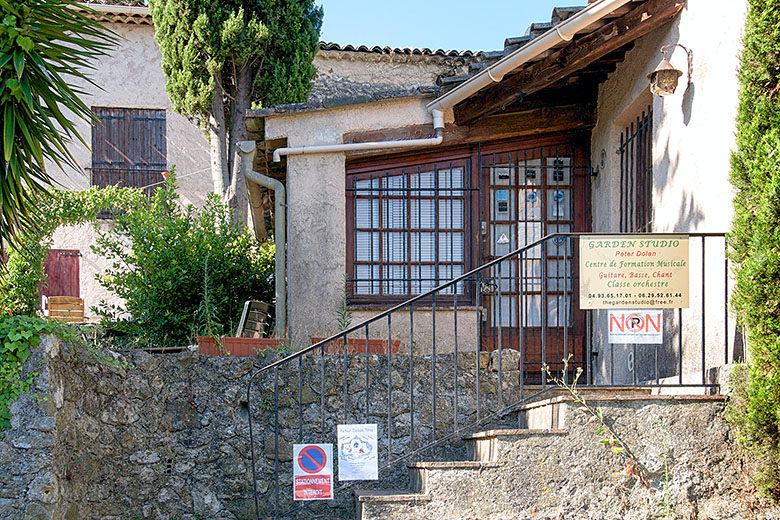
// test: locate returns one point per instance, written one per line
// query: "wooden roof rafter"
(579, 54)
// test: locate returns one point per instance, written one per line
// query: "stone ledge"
(460, 464)
(622, 399)
(490, 434)
(389, 495)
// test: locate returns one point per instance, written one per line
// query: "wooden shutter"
(128, 147)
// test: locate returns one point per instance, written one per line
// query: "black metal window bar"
(409, 229)
(636, 174)
(302, 397)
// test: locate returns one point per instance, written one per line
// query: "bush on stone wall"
(181, 271)
(18, 334)
(755, 241)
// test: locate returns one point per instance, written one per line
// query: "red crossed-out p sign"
(312, 471)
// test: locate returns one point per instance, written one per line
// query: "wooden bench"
(65, 308)
(255, 320)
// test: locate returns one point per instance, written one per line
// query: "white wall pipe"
(254, 179)
(564, 31)
(438, 125)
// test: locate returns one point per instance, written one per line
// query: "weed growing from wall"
(755, 241)
(606, 432)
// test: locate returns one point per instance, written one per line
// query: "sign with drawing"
(312, 471)
(358, 458)
(634, 272)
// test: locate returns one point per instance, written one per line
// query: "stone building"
(557, 133)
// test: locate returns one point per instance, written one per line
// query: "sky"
(449, 24)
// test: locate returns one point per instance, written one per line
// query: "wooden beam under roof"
(579, 54)
(502, 126)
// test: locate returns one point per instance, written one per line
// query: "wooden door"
(532, 190)
(62, 273)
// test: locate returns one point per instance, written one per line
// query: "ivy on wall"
(23, 270)
(755, 240)
(20, 329)
(18, 334)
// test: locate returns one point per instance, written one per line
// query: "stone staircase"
(553, 466)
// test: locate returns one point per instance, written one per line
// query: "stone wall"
(112, 436)
(136, 435)
(28, 486)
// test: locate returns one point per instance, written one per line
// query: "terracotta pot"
(237, 347)
(358, 345)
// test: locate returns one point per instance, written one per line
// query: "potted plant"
(211, 341)
(354, 345)
(239, 347)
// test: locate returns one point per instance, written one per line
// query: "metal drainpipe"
(438, 126)
(254, 180)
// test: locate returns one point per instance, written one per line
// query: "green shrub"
(755, 241)
(23, 272)
(163, 254)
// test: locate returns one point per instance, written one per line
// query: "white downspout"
(562, 32)
(253, 180)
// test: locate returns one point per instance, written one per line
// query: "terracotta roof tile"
(409, 51)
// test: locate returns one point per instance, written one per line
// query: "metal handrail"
(387, 314)
(454, 281)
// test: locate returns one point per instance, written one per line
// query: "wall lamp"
(663, 80)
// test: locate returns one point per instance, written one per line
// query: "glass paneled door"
(530, 301)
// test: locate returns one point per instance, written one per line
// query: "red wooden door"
(62, 273)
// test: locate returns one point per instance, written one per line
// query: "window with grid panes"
(408, 229)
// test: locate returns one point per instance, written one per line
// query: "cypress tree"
(755, 238)
(219, 56)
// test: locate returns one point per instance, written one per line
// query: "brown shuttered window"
(128, 147)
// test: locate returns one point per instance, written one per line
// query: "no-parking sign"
(312, 471)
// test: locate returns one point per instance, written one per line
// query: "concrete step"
(553, 412)
(421, 472)
(488, 446)
(551, 473)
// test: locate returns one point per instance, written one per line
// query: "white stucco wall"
(131, 77)
(316, 206)
(693, 135)
(693, 129)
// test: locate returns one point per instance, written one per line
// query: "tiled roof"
(409, 51)
(339, 92)
(343, 99)
(129, 12)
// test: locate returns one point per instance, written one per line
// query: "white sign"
(358, 458)
(636, 326)
(312, 471)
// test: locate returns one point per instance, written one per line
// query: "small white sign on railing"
(636, 326)
(358, 458)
